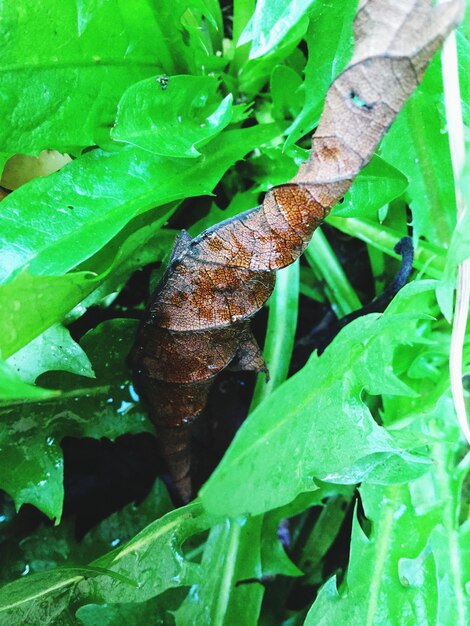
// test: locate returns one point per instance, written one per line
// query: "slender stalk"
(382, 541)
(428, 258)
(242, 12)
(457, 152)
(453, 569)
(280, 334)
(324, 262)
(223, 598)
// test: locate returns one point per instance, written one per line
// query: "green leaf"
(54, 349)
(391, 577)
(47, 547)
(327, 268)
(288, 436)
(131, 614)
(28, 445)
(160, 542)
(126, 574)
(41, 598)
(376, 185)
(30, 434)
(459, 249)
(271, 23)
(428, 258)
(229, 593)
(415, 561)
(13, 387)
(91, 199)
(173, 118)
(65, 66)
(284, 84)
(30, 304)
(418, 146)
(280, 334)
(330, 42)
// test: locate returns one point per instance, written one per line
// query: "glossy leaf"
(271, 22)
(124, 575)
(90, 200)
(230, 593)
(329, 40)
(13, 387)
(172, 118)
(48, 299)
(378, 184)
(331, 416)
(418, 146)
(391, 577)
(54, 349)
(41, 549)
(280, 333)
(62, 90)
(414, 562)
(31, 433)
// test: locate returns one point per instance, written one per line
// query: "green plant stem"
(447, 482)
(228, 572)
(383, 532)
(280, 334)
(325, 264)
(320, 538)
(454, 118)
(309, 286)
(428, 258)
(377, 264)
(242, 12)
(282, 322)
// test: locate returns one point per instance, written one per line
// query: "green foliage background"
(158, 102)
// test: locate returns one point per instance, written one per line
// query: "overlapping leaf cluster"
(157, 105)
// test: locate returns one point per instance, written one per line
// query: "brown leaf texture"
(197, 321)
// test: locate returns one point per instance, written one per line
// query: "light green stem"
(280, 334)
(227, 572)
(242, 12)
(427, 258)
(448, 495)
(325, 264)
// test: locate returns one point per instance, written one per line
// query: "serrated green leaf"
(413, 567)
(174, 118)
(316, 425)
(31, 433)
(381, 589)
(126, 574)
(48, 547)
(329, 40)
(376, 185)
(229, 593)
(91, 199)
